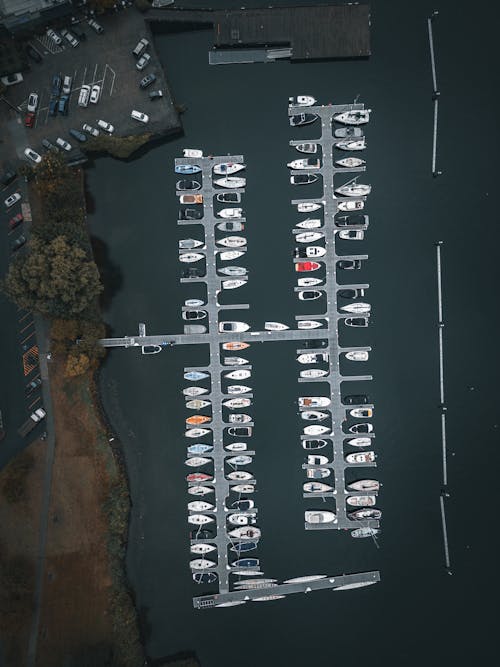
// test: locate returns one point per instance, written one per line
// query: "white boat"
(364, 485)
(197, 404)
(230, 213)
(312, 357)
(314, 444)
(361, 501)
(314, 415)
(350, 162)
(317, 460)
(233, 271)
(365, 532)
(194, 391)
(352, 205)
(235, 361)
(301, 101)
(305, 163)
(233, 284)
(196, 432)
(192, 152)
(190, 257)
(309, 282)
(316, 429)
(268, 598)
(231, 226)
(239, 460)
(239, 475)
(237, 447)
(202, 548)
(351, 234)
(275, 326)
(309, 237)
(350, 145)
(200, 490)
(236, 403)
(359, 442)
(238, 389)
(318, 473)
(307, 147)
(319, 516)
(313, 373)
(199, 448)
(305, 579)
(308, 207)
(303, 179)
(191, 315)
(243, 488)
(357, 355)
(239, 418)
(188, 244)
(197, 461)
(310, 295)
(309, 324)
(358, 307)
(231, 255)
(353, 117)
(309, 223)
(231, 603)
(361, 428)
(241, 519)
(228, 168)
(245, 532)
(233, 326)
(202, 564)
(194, 303)
(310, 251)
(354, 190)
(238, 374)
(232, 241)
(230, 182)
(363, 413)
(364, 514)
(200, 519)
(314, 401)
(187, 169)
(360, 457)
(196, 375)
(317, 487)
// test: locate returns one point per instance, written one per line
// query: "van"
(67, 85)
(142, 45)
(83, 98)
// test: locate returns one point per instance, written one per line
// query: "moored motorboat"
(301, 101)
(197, 432)
(199, 448)
(360, 457)
(319, 516)
(275, 326)
(191, 315)
(359, 442)
(198, 419)
(197, 461)
(235, 345)
(354, 190)
(351, 234)
(189, 244)
(238, 374)
(194, 303)
(233, 271)
(239, 418)
(305, 163)
(316, 429)
(238, 519)
(308, 206)
(314, 444)
(303, 179)
(238, 389)
(357, 145)
(356, 321)
(314, 401)
(202, 548)
(246, 562)
(310, 295)
(357, 355)
(365, 531)
(364, 485)
(361, 412)
(312, 357)
(233, 284)
(231, 255)
(353, 117)
(358, 307)
(303, 267)
(202, 564)
(361, 501)
(307, 147)
(309, 223)
(309, 252)
(235, 361)
(302, 119)
(350, 162)
(313, 373)
(200, 490)
(231, 226)
(305, 579)
(317, 473)
(243, 504)
(200, 519)
(363, 514)
(233, 326)
(228, 168)
(232, 241)
(243, 488)
(239, 475)
(242, 547)
(237, 447)
(316, 460)
(230, 182)
(192, 152)
(205, 577)
(187, 169)
(361, 428)
(309, 237)
(309, 282)
(199, 477)
(187, 185)
(317, 487)
(229, 213)
(351, 205)
(228, 197)
(194, 391)
(245, 532)
(314, 415)
(196, 375)
(348, 133)
(240, 431)
(191, 257)
(309, 324)
(234, 403)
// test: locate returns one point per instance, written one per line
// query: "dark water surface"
(417, 614)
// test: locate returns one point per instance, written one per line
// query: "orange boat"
(198, 419)
(235, 345)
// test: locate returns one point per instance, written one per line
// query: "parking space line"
(34, 402)
(25, 315)
(84, 75)
(27, 337)
(28, 325)
(95, 72)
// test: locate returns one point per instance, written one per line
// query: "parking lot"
(106, 60)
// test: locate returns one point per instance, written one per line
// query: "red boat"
(199, 477)
(307, 266)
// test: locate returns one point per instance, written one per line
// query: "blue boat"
(187, 169)
(195, 375)
(240, 547)
(199, 448)
(204, 577)
(246, 562)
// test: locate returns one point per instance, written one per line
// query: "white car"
(63, 144)
(107, 127)
(70, 38)
(54, 36)
(94, 95)
(67, 81)
(32, 102)
(12, 79)
(90, 130)
(143, 61)
(32, 155)
(12, 199)
(83, 98)
(138, 115)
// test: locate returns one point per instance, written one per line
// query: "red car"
(307, 266)
(29, 120)
(16, 221)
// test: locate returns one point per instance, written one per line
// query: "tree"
(54, 278)
(76, 364)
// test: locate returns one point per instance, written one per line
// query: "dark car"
(79, 136)
(16, 221)
(348, 220)
(349, 264)
(34, 384)
(155, 94)
(355, 399)
(18, 243)
(29, 119)
(8, 176)
(33, 54)
(56, 85)
(147, 80)
(53, 106)
(49, 146)
(63, 105)
(190, 214)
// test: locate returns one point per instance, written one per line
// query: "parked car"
(18, 243)
(52, 34)
(29, 119)
(79, 136)
(33, 54)
(69, 37)
(32, 155)
(63, 144)
(67, 82)
(16, 221)
(12, 79)
(56, 85)
(155, 94)
(95, 94)
(147, 80)
(90, 130)
(12, 199)
(107, 127)
(83, 98)
(143, 61)
(63, 105)
(40, 413)
(95, 26)
(142, 45)
(34, 384)
(8, 176)
(138, 115)
(32, 102)
(48, 145)
(53, 106)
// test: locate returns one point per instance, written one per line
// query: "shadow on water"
(111, 274)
